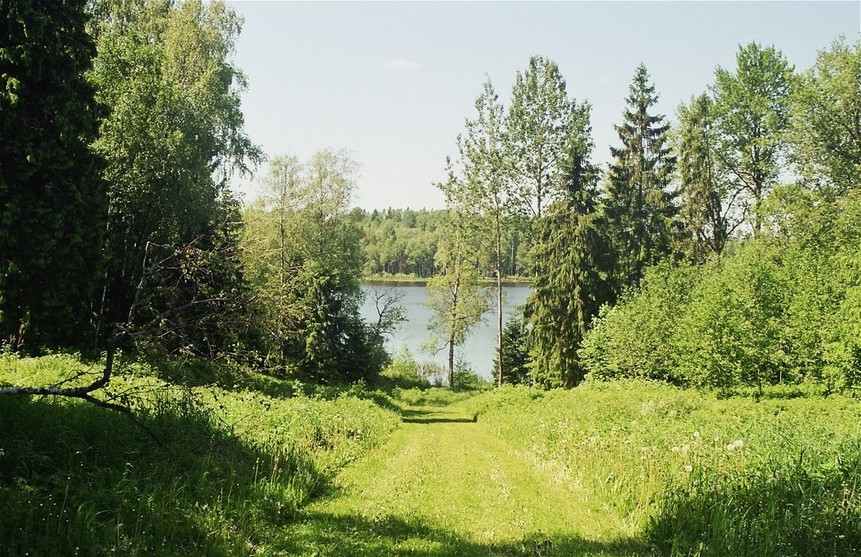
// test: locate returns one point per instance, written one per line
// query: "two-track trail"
(446, 485)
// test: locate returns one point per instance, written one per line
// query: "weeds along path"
(446, 485)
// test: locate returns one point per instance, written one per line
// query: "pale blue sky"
(393, 82)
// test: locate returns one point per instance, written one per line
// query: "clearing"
(445, 484)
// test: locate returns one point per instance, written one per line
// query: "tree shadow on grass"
(434, 417)
(323, 534)
(81, 480)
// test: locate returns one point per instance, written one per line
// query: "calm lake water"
(480, 346)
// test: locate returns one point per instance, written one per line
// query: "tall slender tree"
(52, 199)
(537, 130)
(638, 204)
(456, 297)
(485, 187)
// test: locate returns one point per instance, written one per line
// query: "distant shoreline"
(406, 280)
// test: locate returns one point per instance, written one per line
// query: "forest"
(182, 373)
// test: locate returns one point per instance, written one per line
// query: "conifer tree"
(571, 263)
(638, 206)
(52, 200)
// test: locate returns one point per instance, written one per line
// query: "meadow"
(695, 474)
(253, 465)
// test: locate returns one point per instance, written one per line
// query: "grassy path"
(445, 485)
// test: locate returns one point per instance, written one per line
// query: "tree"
(51, 195)
(708, 209)
(456, 297)
(570, 271)
(825, 132)
(751, 109)
(638, 205)
(537, 130)
(483, 189)
(173, 138)
(302, 251)
(515, 352)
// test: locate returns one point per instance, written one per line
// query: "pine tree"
(638, 206)
(571, 263)
(51, 197)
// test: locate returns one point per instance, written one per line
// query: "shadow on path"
(324, 534)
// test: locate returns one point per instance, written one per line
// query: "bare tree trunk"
(499, 298)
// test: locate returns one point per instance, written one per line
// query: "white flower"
(689, 468)
(697, 434)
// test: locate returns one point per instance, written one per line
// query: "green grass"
(698, 475)
(254, 465)
(236, 465)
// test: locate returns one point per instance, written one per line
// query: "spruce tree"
(571, 263)
(52, 200)
(638, 205)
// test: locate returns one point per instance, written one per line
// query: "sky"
(393, 82)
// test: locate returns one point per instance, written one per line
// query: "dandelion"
(675, 449)
(685, 449)
(771, 480)
(737, 444)
(697, 434)
(689, 468)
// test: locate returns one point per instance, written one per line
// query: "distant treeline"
(405, 241)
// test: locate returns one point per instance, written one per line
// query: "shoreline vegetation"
(413, 280)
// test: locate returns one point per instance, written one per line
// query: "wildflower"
(689, 468)
(685, 449)
(675, 449)
(771, 480)
(697, 434)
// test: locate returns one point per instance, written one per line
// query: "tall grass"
(235, 465)
(698, 475)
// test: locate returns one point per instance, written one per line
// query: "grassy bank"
(695, 474)
(236, 464)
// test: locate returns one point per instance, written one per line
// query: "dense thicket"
(301, 253)
(779, 304)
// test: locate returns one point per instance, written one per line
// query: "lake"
(480, 346)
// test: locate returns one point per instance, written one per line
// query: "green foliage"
(172, 139)
(694, 474)
(707, 211)
(456, 296)
(637, 200)
(236, 464)
(751, 110)
(301, 254)
(634, 339)
(516, 360)
(781, 308)
(572, 264)
(824, 132)
(52, 201)
(731, 332)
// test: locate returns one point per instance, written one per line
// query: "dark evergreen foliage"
(572, 261)
(52, 199)
(638, 205)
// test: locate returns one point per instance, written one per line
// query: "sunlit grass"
(696, 474)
